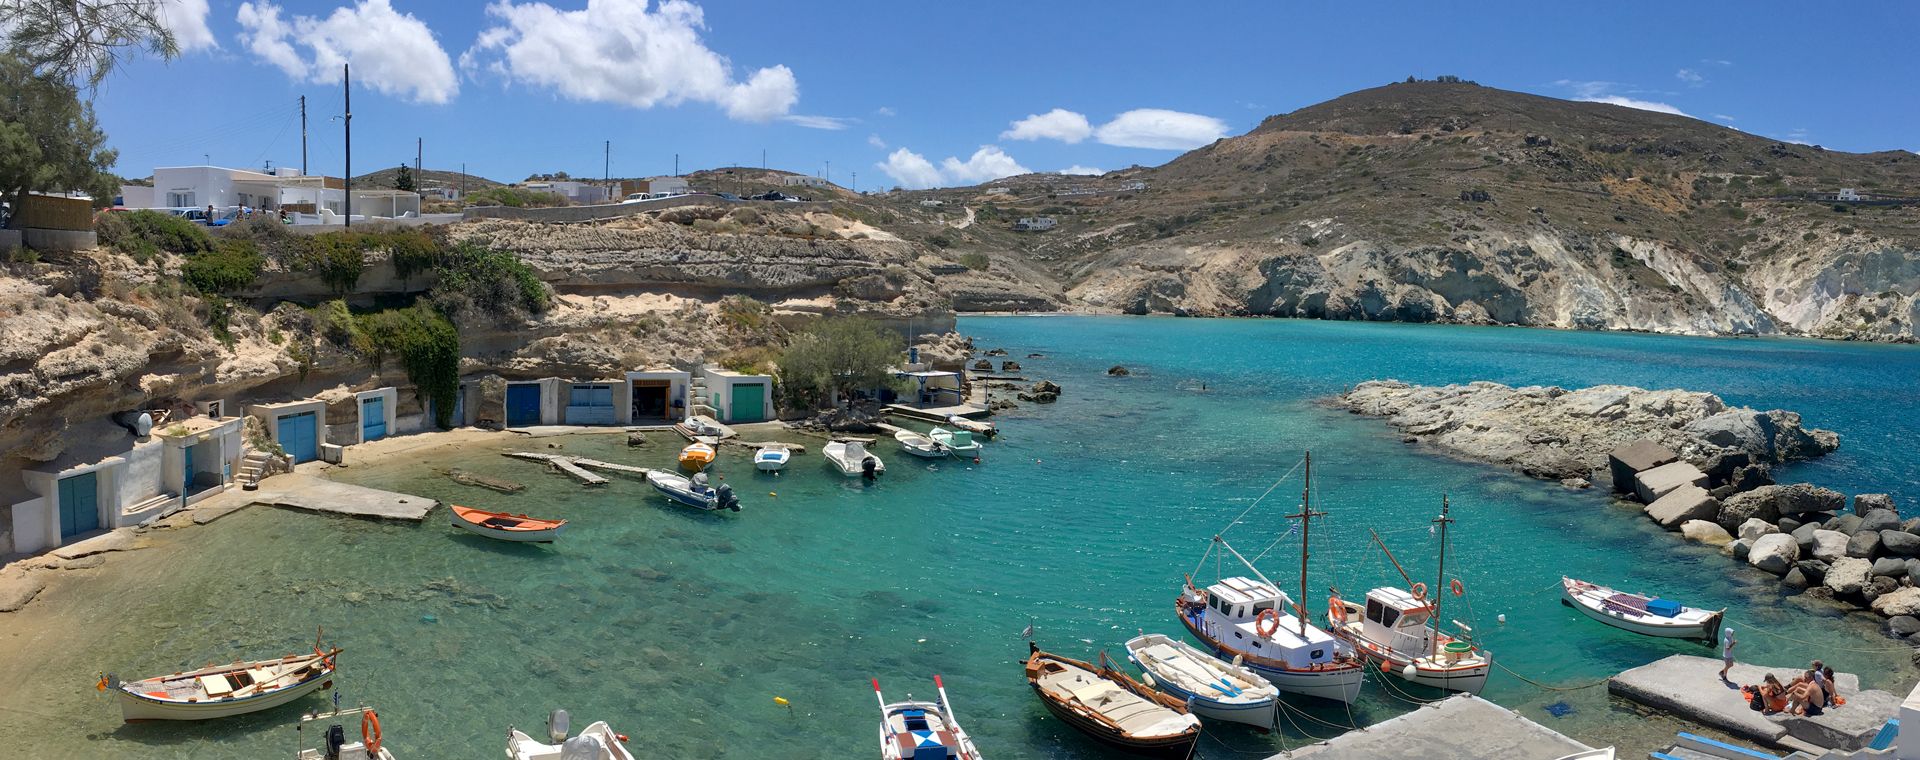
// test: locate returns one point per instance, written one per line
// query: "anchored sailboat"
(1400, 628)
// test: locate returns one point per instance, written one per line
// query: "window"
(1316, 655)
(1415, 618)
(1389, 616)
(180, 200)
(1373, 610)
(1259, 606)
(1257, 645)
(1213, 601)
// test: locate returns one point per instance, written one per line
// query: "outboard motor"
(559, 724)
(336, 739)
(726, 498)
(867, 467)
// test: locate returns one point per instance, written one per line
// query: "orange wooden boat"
(506, 526)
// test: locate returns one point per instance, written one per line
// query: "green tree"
(837, 355)
(403, 179)
(82, 40)
(49, 139)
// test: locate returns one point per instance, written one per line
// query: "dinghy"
(1109, 706)
(1211, 688)
(693, 492)
(333, 739)
(960, 441)
(912, 730)
(852, 459)
(505, 526)
(595, 742)
(219, 691)
(696, 456)
(921, 446)
(771, 458)
(1648, 616)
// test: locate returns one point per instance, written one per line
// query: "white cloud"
(875, 141)
(395, 52)
(1160, 129)
(818, 122)
(623, 51)
(187, 19)
(1716, 61)
(912, 170)
(1723, 117)
(1083, 170)
(1644, 105)
(1057, 124)
(1584, 89)
(883, 111)
(1691, 77)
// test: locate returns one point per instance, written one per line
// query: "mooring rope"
(1827, 646)
(1548, 687)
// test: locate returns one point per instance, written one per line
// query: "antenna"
(1440, 581)
(346, 87)
(303, 135)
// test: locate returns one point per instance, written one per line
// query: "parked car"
(771, 195)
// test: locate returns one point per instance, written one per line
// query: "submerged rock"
(1706, 532)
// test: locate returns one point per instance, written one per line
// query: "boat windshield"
(1262, 606)
(1415, 618)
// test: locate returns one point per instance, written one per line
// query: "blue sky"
(941, 93)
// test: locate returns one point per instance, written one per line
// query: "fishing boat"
(1399, 629)
(1252, 622)
(771, 458)
(921, 446)
(851, 458)
(960, 441)
(693, 492)
(696, 456)
(596, 742)
(981, 428)
(219, 691)
(1109, 706)
(1212, 689)
(922, 730)
(333, 739)
(1649, 616)
(506, 526)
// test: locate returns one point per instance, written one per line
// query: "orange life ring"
(370, 732)
(1419, 592)
(1336, 611)
(1459, 589)
(1267, 622)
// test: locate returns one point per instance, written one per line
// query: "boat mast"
(1306, 516)
(1440, 581)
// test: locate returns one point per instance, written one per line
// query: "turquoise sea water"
(681, 627)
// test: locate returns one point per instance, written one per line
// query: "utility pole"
(346, 88)
(676, 164)
(856, 182)
(763, 159)
(303, 135)
(829, 175)
(463, 183)
(606, 168)
(417, 143)
(208, 157)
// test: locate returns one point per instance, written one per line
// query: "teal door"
(749, 403)
(186, 475)
(299, 436)
(373, 419)
(79, 505)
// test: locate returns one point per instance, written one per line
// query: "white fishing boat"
(334, 744)
(852, 459)
(693, 492)
(921, 446)
(1399, 630)
(1212, 689)
(596, 742)
(981, 428)
(960, 441)
(1644, 615)
(219, 691)
(912, 730)
(771, 458)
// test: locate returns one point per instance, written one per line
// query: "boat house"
(657, 396)
(737, 397)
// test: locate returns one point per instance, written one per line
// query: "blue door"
(373, 419)
(523, 405)
(186, 473)
(299, 436)
(459, 409)
(79, 505)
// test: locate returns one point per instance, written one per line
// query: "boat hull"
(672, 487)
(769, 463)
(1171, 746)
(890, 749)
(1469, 679)
(1707, 629)
(1341, 683)
(137, 707)
(522, 536)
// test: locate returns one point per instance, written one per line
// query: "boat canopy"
(1244, 598)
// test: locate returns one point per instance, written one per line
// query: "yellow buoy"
(773, 493)
(781, 701)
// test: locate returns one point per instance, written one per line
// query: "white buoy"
(1503, 618)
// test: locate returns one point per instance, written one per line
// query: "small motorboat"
(771, 458)
(921, 446)
(704, 425)
(960, 441)
(976, 427)
(696, 456)
(852, 459)
(693, 492)
(1108, 705)
(506, 526)
(1211, 688)
(595, 742)
(333, 739)
(219, 691)
(1650, 616)
(922, 730)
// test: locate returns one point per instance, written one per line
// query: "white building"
(285, 189)
(672, 185)
(583, 193)
(801, 180)
(180, 462)
(1847, 194)
(1034, 224)
(738, 397)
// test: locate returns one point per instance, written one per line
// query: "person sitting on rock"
(1807, 697)
(1773, 696)
(1827, 684)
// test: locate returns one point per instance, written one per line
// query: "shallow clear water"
(681, 627)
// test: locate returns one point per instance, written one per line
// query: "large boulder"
(1750, 477)
(1867, 502)
(1634, 458)
(1848, 524)
(1829, 545)
(1775, 552)
(1721, 465)
(1705, 531)
(1792, 441)
(1848, 576)
(1881, 519)
(1754, 528)
(1815, 570)
(1688, 502)
(1741, 507)
(1864, 545)
(1891, 567)
(1771, 502)
(1876, 586)
(1901, 601)
(1902, 625)
(1900, 543)
(1795, 578)
(1659, 481)
(1913, 572)
(1743, 429)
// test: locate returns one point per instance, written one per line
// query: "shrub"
(836, 355)
(743, 313)
(940, 241)
(230, 267)
(478, 280)
(428, 347)
(338, 258)
(143, 233)
(516, 197)
(219, 312)
(977, 262)
(413, 251)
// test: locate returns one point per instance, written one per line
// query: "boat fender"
(370, 732)
(1267, 622)
(621, 737)
(559, 724)
(1409, 671)
(336, 738)
(1458, 588)
(1420, 592)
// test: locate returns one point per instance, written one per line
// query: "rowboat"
(851, 458)
(977, 427)
(1399, 630)
(595, 742)
(960, 441)
(912, 730)
(506, 526)
(219, 691)
(771, 458)
(335, 746)
(1644, 615)
(693, 492)
(1211, 688)
(696, 456)
(1109, 706)
(920, 445)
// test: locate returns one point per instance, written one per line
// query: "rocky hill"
(1452, 202)
(427, 178)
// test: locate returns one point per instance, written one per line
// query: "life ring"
(1336, 611)
(1267, 622)
(370, 732)
(1420, 592)
(1459, 589)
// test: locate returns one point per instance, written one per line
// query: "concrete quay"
(1689, 688)
(316, 494)
(1460, 726)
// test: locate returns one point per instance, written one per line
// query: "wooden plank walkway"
(626, 469)
(562, 463)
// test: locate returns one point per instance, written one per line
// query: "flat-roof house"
(802, 180)
(658, 395)
(739, 397)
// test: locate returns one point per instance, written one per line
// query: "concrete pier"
(1689, 688)
(314, 494)
(1461, 726)
(625, 469)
